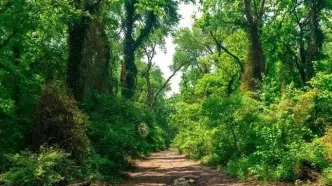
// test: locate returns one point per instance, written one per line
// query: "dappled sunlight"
(163, 168)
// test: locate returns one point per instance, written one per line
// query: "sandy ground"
(162, 168)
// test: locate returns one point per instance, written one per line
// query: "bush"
(283, 139)
(59, 122)
(96, 167)
(47, 167)
(119, 130)
(326, 178)
(194, 135)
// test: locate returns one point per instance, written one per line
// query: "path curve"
(162, 168)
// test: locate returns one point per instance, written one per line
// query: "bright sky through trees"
(163, 60)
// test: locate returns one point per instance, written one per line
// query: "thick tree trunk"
(129, 78)
(77, 35)
(254, 65)
(316, 37)
(131, 45)
(89, 55)
(96, 59)
(255, 62)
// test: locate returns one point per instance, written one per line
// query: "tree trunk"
(255, 64)
(131, 45)
(96, 60)
(129, 79)
(316, 37)
(77, 35)
(129, 82)
(149, 93)
(89, 54)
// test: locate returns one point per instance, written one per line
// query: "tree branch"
(209, 49)
(165, 84)
(261, 10)
(150, 22)
(237, 59)
(247, 10)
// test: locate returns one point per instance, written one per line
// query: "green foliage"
(48, 167)
(249, 138)
(32, 49)
(259, 139)
(96, 167)
(280, 132)
(326, 178)
(118, 131)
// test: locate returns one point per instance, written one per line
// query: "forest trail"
(162, 168)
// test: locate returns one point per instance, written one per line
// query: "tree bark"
(316, 37)
(131, 45)
(77, 35)
(129, 77)
(89, 54)
(255, 62)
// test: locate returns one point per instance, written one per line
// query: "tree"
(156, 14)
(230, 13)
(307, 17)
(89, 51)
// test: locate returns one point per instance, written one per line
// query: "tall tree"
(249, 16)
(255, 63)
(89, 51)
(151, 15)
(300, 37)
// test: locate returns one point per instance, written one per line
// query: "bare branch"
(164, 85)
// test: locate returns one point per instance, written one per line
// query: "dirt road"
(162, 168)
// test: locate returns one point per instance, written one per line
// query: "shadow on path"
(162, 168)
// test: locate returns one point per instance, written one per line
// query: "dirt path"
(162, 168)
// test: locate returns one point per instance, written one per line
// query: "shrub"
(47, 167)
(96, 167)
(326, 178)
(119, 130)
(283, 139)
(238, 167)
(59, 122)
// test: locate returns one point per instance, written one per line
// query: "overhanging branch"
(164, 85)
(145, 32)
(237, 59)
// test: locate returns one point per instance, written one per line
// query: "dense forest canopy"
(81, 95)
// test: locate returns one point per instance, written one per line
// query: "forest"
(82, 97)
